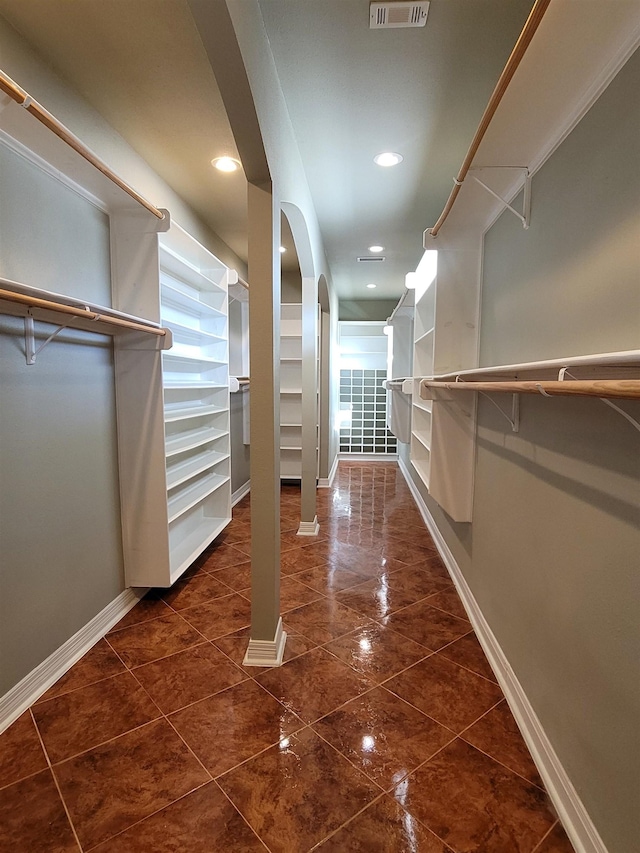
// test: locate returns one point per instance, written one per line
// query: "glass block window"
(363, 413)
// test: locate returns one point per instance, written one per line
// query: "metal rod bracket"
(525, 216)
(31, 352)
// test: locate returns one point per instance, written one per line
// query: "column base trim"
(309, 528)
(266, 652)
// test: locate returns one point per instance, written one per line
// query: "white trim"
(309, 528)
(40, 679)
(327, 482)
(571, 811)
(266, 652)
(237, 496)
(27, 154)
(368, 457)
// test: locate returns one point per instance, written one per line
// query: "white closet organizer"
(173, 412)
(195, 379)
(174, 496)
(424, 326)
(291, 391)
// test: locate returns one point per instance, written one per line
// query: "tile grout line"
(224, 794)
(55, 781)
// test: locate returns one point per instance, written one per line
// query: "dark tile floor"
(383, 732)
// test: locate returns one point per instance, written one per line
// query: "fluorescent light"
(376, 249)
(226, 164)
(388, 158)
(282, 250)
(371, 286)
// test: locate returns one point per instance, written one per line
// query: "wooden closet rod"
(528, 31)
(623, 389)
(21, 97)
(85, 314)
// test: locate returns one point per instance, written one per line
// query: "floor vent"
(398, 14)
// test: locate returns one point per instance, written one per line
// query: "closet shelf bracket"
(514, 420)
(524, 217)
(30, 339)
(564, 372)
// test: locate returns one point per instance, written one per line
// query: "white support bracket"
(564, 372)
(525, 216)
(30, 339)
(514, 420)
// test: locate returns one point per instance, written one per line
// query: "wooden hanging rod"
(528, 31)
(83, 313)
(623, 389)
(10, 88)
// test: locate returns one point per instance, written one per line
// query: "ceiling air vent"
(398, 14)
(369, 258)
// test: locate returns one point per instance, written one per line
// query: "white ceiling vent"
(366, 259)
(398, 14)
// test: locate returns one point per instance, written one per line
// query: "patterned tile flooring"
(383, 732)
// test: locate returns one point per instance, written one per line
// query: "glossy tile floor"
(384, 730)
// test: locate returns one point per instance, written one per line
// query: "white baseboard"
(327, 482)
(266, 652)
(237, 496)
(40, 679)
(309, 528)
(571, 811)
(368, 457)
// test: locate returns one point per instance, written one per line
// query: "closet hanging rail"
(83, 313)
(622, 389)
(528, 31)
(10, 88)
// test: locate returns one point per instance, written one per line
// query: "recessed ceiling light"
(371, 286)
(282, 250)
(388, 158)
(376, 248)
(226, 164)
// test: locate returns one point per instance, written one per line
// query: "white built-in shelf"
(173, 297)
(424, 441)
(191, 439)
(193, 494)
(424, 336)
(186, 413)
(186, 547)
(296, 391)
(183, 384)
(188, 334)
(183, 471)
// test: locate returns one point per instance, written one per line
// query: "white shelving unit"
(421, 414)
(291, 391)
(173, 420)
(195, 378)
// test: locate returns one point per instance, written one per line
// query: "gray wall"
(366, 309)
(60, 538)
(552, 553)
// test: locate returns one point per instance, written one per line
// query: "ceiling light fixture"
(226, 164)
(376, 249)
(371, 286)
(282, 250)
(388, 158)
